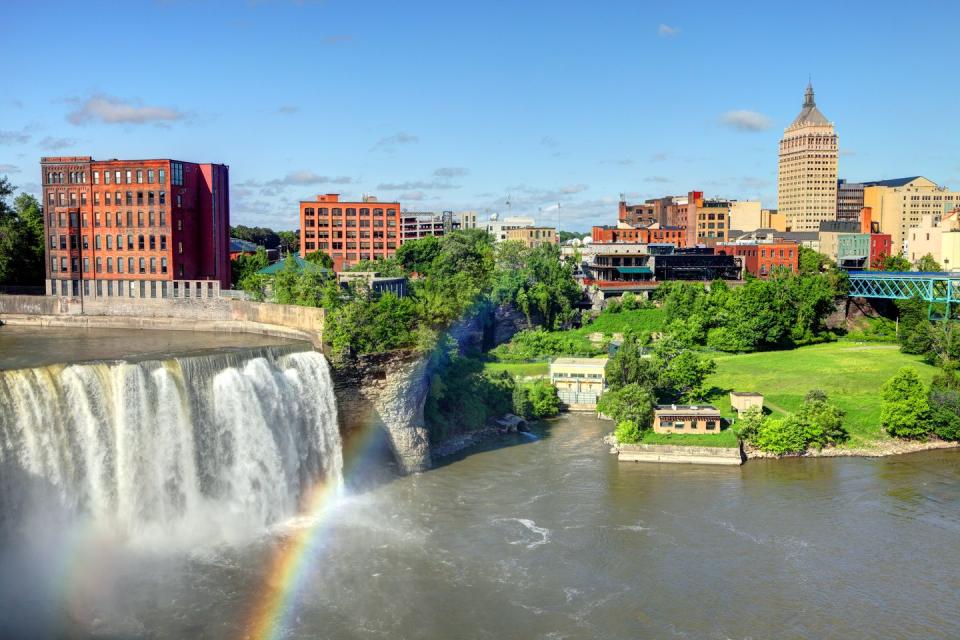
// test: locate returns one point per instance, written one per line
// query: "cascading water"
(206, 448)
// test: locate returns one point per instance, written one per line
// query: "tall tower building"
(807, 185)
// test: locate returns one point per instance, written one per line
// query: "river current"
(542, 535)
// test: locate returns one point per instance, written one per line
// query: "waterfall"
(206, 448)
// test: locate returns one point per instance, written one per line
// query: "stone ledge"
(679, 454)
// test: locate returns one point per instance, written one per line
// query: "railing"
(931, 287)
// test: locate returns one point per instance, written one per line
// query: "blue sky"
(450, 105)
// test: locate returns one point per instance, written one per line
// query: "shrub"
(782, 436)
(543, 397)
(628, 432)
(631, 403)
(748, 424)
(904, 409)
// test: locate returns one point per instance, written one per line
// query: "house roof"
(687, 409)
(300, 265)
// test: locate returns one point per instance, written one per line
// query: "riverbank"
(459, 442)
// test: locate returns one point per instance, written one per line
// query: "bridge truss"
(934, 288)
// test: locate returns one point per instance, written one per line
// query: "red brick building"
(349, 231)
(671, 235)
(881, 246)
(136, 228)
(638, 215)
(760, 258)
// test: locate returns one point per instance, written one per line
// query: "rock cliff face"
(386, 392)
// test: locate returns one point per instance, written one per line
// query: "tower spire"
(808, 95)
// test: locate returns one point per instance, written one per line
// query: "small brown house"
(681, 418)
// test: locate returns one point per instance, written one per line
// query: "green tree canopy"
(904, 410)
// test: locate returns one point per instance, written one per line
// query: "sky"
(557, 107)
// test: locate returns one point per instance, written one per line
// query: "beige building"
(773, 219)
(938, 236)
(746, 215)
(899, 205)
(740, 401)
(579, 381)
(533, 236)
(677, 418)
(807, 180)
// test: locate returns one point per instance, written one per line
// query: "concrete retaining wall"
(679, 454)
(213, 314)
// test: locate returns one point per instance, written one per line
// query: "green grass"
(726, 438)
(515, 369)
(637, 320)
(851, 375)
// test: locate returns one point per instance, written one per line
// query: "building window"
(96, 177)
(143, 265)
(163, 243)
(139, 176)
(711, 425)
(163, 176)
(153, 265)
(116, 177)
(150, 176)
(176, 173)
(163, 197)
(163, 265)
(153, 243)
(106, 177)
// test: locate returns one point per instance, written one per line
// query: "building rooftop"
(237, 245)
(600, 362)
(690, 409)
(746, 394)
(809, 114)
(894, 182)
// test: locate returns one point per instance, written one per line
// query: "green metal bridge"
(934, 287)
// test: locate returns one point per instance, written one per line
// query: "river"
(544, 535)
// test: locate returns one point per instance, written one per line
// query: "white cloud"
(416, 184)
(305, 177)
(666, 31)
(110, 110)
(451, 172)
(395, 140)
(14, 137)
(412, 195)
(658, 179)
(9, 168)
(53, 144)
(573, 188)
(744, 120)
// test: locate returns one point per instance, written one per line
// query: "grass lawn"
(637, 320)
(726, 438)
(515, 369)
(851, 374)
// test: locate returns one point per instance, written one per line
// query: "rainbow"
(296, 553)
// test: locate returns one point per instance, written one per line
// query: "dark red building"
(881, 246)
(136, 228)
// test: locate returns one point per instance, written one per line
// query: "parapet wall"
(191, 314)
(679, 454)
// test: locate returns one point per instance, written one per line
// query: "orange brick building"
(349, 231)
(136, 228)
(760, 258)
(648, 235)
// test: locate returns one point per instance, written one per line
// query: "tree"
(319, 258)
(522, 406)
(682, 376)
(21, 239)
(386, 267)
(821, 420)
(632, 402)
(259, 235)
(628, 366)
(544, 399)
(904, 409)
(812, 262)
(928, 264)
(245, 266)
(895, 263)
(417, 256)
(289, 241)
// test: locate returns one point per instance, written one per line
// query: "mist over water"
(104, 466)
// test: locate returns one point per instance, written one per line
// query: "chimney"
(866, 220)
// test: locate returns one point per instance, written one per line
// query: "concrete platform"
(680, 454)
